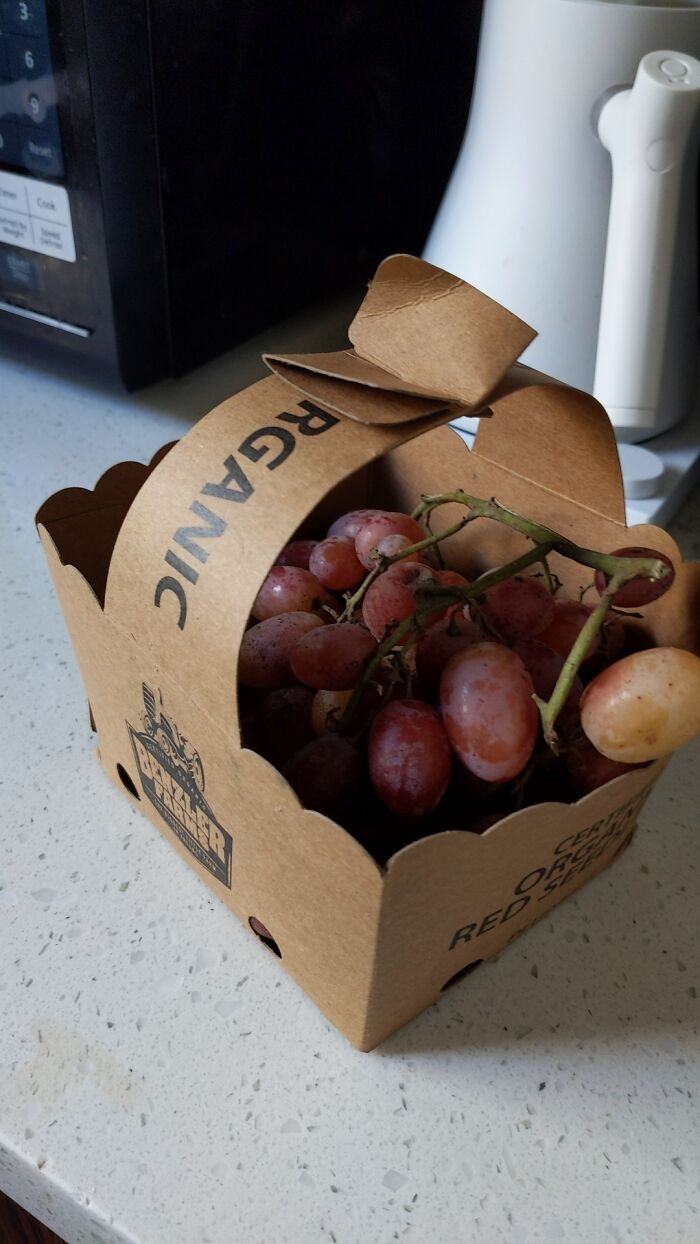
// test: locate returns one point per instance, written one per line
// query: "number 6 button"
(29, 58)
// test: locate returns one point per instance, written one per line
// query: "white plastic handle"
(646, 130)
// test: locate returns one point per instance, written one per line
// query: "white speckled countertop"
(163, 1082)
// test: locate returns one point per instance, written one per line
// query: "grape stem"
(551, 708)
(630, 567)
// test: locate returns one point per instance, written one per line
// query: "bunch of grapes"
(399, 698)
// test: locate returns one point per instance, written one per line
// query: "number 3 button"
(23, 17)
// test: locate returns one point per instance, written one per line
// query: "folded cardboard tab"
(424, 342)
(157, 570)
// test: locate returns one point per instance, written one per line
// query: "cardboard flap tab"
(424, 341)
(364, 392)
(433, 330)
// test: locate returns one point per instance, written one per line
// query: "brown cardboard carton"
(157, 569)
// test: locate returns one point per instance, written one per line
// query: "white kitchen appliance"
(573, 199)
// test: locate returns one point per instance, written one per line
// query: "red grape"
(589, 769)
(518, 608)
(644, 706)
(333, 659)
(349, 524)
(325, 774)
(266, 647)
(288, 589)
(335, 565)
(490, 716)
(544, 666)
(391, 598)
(638, 592)
(389, 546)
(282, 722)
(440, 642)
(296, 554)
(385, 523)
(409, 757)
(562, 631)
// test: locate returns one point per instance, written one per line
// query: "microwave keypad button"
(13, 192)
(23, 17)
(28, 58)
(37, 100)
(16, 228)
(9, 142)
(19, 271)
(49, 203)
(40, 152)
(57, 240)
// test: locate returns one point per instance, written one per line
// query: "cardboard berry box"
(157, 568)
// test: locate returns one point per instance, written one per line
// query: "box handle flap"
(423, 341)
(557, 437)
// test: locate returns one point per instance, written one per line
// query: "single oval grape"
(391, 598)
(409, 757)
(349, 524)
(544, 666)
(489, 714)
(265, 649)
(334, 658)
(296, 554)
(589, 769)
(638, 592)
(288, 589)
(282, 722)
(326, 774)
(644, 706)
(440, 642)
(518, 608)
(385, 523)
(389, 546)
(335, 564)
(562, 631)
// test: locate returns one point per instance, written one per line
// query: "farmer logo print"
(172, 776)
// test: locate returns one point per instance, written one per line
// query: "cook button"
(48, 202)
(15, 228)
(54, 240)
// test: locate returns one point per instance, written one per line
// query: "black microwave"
(176, 175)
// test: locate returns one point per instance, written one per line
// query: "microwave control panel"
(37, 240)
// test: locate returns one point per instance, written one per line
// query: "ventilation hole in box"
(93, 727)
(127, 781)
(459, 975)
(264, 935)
